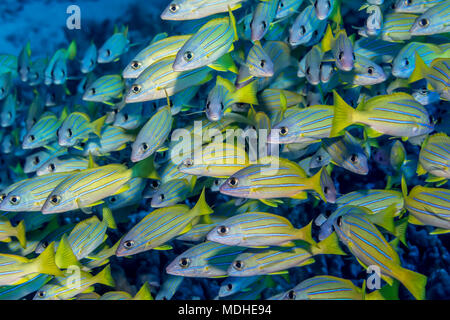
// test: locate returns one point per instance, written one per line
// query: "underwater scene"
(224, 150)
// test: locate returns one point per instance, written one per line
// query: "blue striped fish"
(396, 26)
(14, 269)
(44, 130)
(263, 16)
(152, 135)
(169, 287)
(433, 21)
(429, 206)
(276, 260)
(114, 46)
(303, 125)
(35, 160)
(89, 61)
(207, 45)
(197, 9)
(8, 112)
(129, 197)
(434, 156)
(258, 229)
(305, 27)
(19, 291)
(62, 164)
(232, 285)
(112, 139)
(105, 89)
(160, 79)
(172, 192)
(152, 53)
(375, 200)
(67, 287)
(365, 72)
(77, 126)
(341, 48)
(397, 114)
(416, 6)
(31, 194)
(143, 294)
(287, 8)
(160, 226)
(437, 75)
(205, 260)
(377, 50)
(258, 62)
(53, 236)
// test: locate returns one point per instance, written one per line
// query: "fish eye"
(262, 63)
(125, 116)
(264, 24)
(325, 190)
(69, 132)
(339, 221)
(370, 70)
(238, 265)
(291, 295)
(144, 147)
(108, 52)
(128, 244)
(284, 131)
(82, 144)
(36, 160)
(424, 91)
(302, 30)
(341, 55)
(222, 230)
(315, 33)
(216, 182)
(136, 88)
(308, 71)
(54, 199)
(222, 106)
(93, 91)
(207, 104)
(188, 162)
(281, 4)
(51, 167)
(406, 62)
(41, 294)
(408, 2)
(353, 55)
(233, 182)
(353, 158)
(14, 200)
(112, 199)
(316, 4)
(2, 197)
(91, 62)
(136, 65)
(31, 137)
(229, 287)
(184, 262)
(45, 244)
(319, 158)
(161, 197)
(155, 184)
(173, 7)
(423, 22)
(188, 56)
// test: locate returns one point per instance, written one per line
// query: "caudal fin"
(247, 94)
(45, 262)
(144, 293)
(105, 277)
(343, 115)
(329, 246)
(201, 207)
(316, 184)
(305, 233)
(414, 282)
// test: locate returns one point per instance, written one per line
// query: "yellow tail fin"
(247, 94)
(45, 262)
(105, 277)
(343, 115)
(144, 293)
(414, 282)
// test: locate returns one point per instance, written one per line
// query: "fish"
(275, 178)
(193, 9)
(76, 127)
(5, 84)
(7, 230)
(303, 125)
(287, 8)
(324, 8)
(396, 26)
(66, 163)
(374, 21)
(205, 260)
(341, 48)
(207, 45)
(115, 46)
(310, 66)
(258, 229)
(232, 285)
(428, 206)
(215, 160)
(160, 79)
(263, 16)
(172, 192)
(67, 286)
(347, 152)
(31, 194)
(224, 94)
(397, 115)
(130, 197)
(376, 200)
(105, 89)
(44, 130)
(365, 72)
(86, 188)
(53, 236)
(152, 135)
(155, 51)
(415, 6)
(433, 21)
(9, 111)
(277, 260)
(305, 26)
(434, 156)
(258, 62)
(369, 247)
(19, 291)
(437, 75)
(169, 287)
(143, 294)
(89, 61)
(15, 268)
(56, 69)
(24, 62)
(160, 226)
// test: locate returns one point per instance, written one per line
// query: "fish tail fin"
(45, 262)
(385, 218)
(305, 233)
(64, 114)
(97, 125)
(386, 293)
(64, 256)
(145, 169)
(201, 207)
(343, 115)
(105, 277)
(330, 245)
(144, 293)
(224, 63)
(109, 218)
(414, 282)
(316, 184)
(328, 39)
(420, 70)
(247, 94)
(20, 234)
(400, 230)
(72, 50)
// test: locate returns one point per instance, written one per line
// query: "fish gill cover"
(241, 149)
